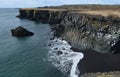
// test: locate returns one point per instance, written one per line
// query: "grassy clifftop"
(104, 10)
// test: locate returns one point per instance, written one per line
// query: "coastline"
(64, 58)
(96, 62)
(90, 33)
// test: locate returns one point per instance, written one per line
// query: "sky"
(40, 3)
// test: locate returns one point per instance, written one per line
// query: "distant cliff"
(44, 16)
(83, 31)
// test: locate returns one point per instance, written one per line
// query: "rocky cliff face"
(83, 31)
(44, 16)
(92, 32)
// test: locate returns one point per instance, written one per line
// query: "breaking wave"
(62, 57)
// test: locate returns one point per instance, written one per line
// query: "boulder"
(21, 32)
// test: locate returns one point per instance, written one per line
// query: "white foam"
(64, 58)
(76, 60)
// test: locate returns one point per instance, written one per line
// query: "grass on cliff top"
(104, 10)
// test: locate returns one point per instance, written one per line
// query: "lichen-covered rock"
(20, 32)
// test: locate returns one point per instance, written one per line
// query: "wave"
(62, 57)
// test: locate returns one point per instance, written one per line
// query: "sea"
(31, 56)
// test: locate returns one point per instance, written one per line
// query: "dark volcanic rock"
(59, 53)
(116, 47)
(20, 32)
(83, 31)
(43, 16)
(93, 32)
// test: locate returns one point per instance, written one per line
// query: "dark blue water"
(24, 57)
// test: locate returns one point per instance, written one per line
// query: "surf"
(62, 57)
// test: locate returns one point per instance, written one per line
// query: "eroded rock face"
(83, 31)
(43, 16)
(97, 33)
(21, 32)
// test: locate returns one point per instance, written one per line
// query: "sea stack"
(21, 32)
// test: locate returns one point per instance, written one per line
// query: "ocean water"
(27, 56)
(30, 56)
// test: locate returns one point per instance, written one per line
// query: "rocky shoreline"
(97, 33)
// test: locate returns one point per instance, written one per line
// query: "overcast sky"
(37, 3)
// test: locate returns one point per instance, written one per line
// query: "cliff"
(83, 31)
(88, 29)
(93, 32)
(44, 16)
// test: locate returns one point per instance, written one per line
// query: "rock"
(55, 48)
(59, 53)
(116, 48)
(49, 44)
(20, 32)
